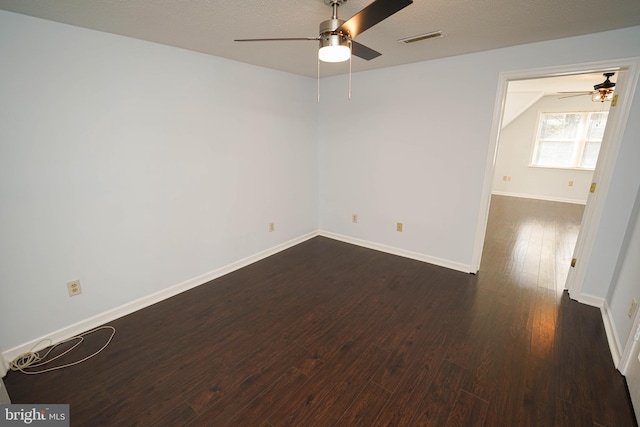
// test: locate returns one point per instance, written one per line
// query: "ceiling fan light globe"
(337, 53)
(602, 95)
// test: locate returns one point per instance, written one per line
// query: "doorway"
(549, 141)
(627, 73)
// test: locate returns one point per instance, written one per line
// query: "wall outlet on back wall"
(74, 288)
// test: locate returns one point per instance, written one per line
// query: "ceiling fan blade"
(363, 52)
(277, 39)
(376, 12)
(574, 95)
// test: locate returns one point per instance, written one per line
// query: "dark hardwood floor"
(327, 333)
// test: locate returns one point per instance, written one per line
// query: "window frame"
(581, 141)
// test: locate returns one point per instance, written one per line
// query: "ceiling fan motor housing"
(328, 34)
(336, 35)
(607, 84)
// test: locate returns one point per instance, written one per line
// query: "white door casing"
(628, 70)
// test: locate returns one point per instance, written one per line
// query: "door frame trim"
(604, 168)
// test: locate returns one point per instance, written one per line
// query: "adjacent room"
(280, 240)
(550, 137)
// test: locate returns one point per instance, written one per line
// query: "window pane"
(554, 153)
(590, 155)
(559, 126)
(597, 123)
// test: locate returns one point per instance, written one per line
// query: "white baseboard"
(465, 268)
(536, 197)
(140, 303)
(609, 324)
(612, 336)
(630, 353)
(591, 300)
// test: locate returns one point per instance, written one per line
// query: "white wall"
(626, 283)
(134, 167)
(516, 147)
(404, 149)
(617, 214)
(627, 287)
(633, 380)
(516, 104)
(4, 396)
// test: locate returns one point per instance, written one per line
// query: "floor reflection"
(526, 260)
(531, 241)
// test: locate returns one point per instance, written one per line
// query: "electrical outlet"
(399, 227)
(570, 183)
(354, 218)
(272, 227)
(74, 288)
(508, 178)
(504, 178)
(632, 308)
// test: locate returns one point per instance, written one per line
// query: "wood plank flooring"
(327, 333)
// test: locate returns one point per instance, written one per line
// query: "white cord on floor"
(33, 359)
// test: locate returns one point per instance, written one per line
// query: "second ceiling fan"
(600, 93)
(336, 35)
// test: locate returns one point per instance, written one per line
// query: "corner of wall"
(465, 268)
(4, 366)
(612, 336)
(4, 395)
(133, 306)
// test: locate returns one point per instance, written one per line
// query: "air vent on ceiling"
(421, 37)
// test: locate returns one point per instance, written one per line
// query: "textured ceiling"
(209, 26)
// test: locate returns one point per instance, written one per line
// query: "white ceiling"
(210, 26)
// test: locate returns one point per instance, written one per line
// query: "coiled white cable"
(32, 359)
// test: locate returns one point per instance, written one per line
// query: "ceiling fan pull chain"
(318, 87)
(336, 35)
(350, 73)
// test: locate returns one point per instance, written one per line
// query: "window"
(569, 140)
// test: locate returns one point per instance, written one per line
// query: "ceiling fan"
(336, 35)
(600, 93)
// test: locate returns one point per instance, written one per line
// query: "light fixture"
(602, 95)
(334, 48)
(603, 91)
